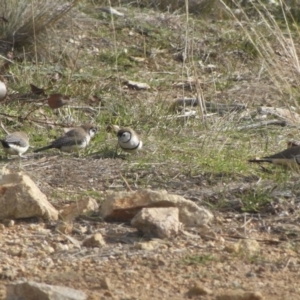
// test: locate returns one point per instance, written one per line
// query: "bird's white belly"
(15, 150)
(133, 145)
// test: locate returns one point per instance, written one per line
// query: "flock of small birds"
(78, 138)
(17, 143)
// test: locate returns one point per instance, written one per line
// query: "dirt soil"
(132, 267)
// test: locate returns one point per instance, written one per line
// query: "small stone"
(64, 227)
(236, 283)
(48, 249)
(232, 248)
(148, 246)
(250, 274)
(105, 283)
(8, 222)
(157, 222)
(14, 251)
(240, 295)
(61, 247)
(95, 296)
(96, 240)
(108, 294)
(198, 290)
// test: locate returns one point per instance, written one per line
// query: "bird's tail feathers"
(260, 160)
(43, 148)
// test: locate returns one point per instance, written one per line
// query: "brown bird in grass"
(58, 100)
(289, 158)
(75, 139)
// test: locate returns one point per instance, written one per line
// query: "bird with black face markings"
(74, 140)
(128, 139)
(15, 143)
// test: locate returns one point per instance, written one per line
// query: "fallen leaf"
(58, 100)
(36, 90)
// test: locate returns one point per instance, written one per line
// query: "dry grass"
(24, 22)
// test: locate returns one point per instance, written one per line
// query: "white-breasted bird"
(3, 90)
(289, 158)
(128, 139)
(16, 143)
(75, 139)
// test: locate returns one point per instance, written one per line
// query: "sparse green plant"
(254, 201)
(198, 259)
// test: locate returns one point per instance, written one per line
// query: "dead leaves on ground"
(58, 100)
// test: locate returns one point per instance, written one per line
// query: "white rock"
(62, 247)
(21, 198)
(123, 206)
(157, 222)
(31, 290)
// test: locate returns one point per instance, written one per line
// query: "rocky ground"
(238, 253)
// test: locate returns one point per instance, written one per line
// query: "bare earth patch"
(132, 267)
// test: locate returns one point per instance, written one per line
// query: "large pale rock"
(21, 198)
(160, 222)
(80, 207)
(123, 206)
(40, 291)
